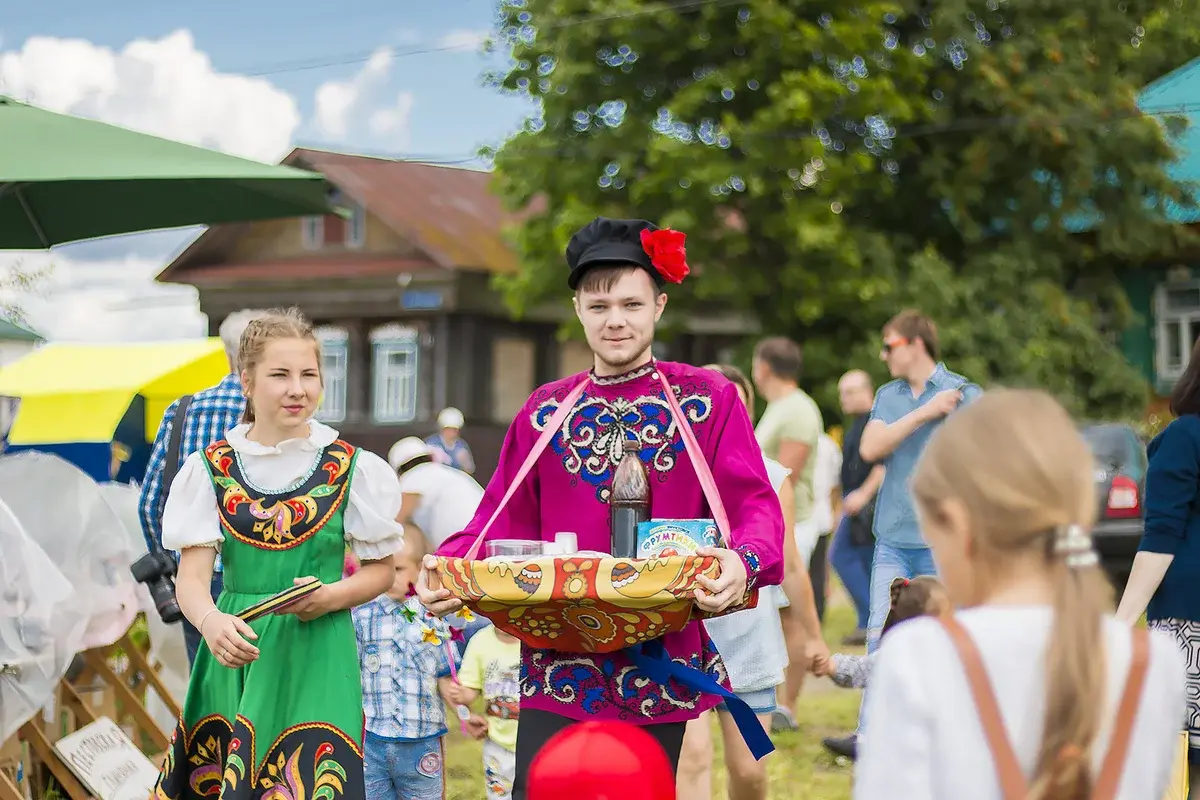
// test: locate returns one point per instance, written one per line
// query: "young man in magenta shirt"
(617, 270)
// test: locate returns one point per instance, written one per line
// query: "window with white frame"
(335, 362)
(394, 375)
(356, 227)
(312, 232)
(1177, 323)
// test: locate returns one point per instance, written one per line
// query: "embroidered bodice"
(275, 495)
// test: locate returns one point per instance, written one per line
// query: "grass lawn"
(799, 767)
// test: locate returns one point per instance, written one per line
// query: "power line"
(362, 56)
(962, 124)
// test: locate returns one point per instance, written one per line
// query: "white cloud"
(463, 39)
(111, 300)
(393, 122)
(105, 290)
(165, 87)
(338, 101)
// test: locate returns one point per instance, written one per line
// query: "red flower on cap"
(667, 253)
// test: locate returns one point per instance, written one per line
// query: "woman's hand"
(816, 652)
(823, 667)
(436, 601)
(317, 604)
(226, 636)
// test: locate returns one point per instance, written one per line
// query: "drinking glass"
(515, 549)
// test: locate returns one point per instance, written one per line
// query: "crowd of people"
(957, 521)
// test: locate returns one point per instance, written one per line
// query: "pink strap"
(555, 424)
(698, 463)
(552, 427)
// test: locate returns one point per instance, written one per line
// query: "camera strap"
(174, 443)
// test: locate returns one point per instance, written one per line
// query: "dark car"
(1120, 470)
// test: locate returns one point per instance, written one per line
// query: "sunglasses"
(891, 344)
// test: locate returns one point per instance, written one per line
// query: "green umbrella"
(66, 179)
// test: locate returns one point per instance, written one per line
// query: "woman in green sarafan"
(274, 707)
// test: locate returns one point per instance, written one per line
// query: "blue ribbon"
(652, 659)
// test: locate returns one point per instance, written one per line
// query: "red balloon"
(601, 761)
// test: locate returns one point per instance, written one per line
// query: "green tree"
(835, 162)
(17, 283)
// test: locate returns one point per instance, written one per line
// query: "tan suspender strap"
(1013, 785)
(1118, 748)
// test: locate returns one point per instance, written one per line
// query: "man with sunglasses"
(906, 412)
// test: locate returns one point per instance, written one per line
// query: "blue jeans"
(191, 636)
(852, 563)
(404, 769)
(890, 562)
(761, 702)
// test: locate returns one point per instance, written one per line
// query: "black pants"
(818, 573)
(537, 727)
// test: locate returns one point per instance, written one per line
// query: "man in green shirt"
(788, 432)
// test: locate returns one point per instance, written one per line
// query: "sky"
(249, 77)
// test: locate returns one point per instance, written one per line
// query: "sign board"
(421, 300)
(107, 763)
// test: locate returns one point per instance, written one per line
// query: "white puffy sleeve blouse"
(191, 517)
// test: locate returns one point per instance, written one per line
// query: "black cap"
(609, 242)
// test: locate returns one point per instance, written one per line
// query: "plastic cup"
(567, 541)
(514, 549)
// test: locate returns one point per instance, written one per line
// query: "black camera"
(157, 569)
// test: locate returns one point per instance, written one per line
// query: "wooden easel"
(123, 690)
(8, 789)
(136, 676)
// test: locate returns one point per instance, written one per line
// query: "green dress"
(289, 725)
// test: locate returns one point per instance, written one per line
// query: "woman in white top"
(755, 654)
(274, 706)
(1006, 498)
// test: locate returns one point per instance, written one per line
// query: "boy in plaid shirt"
(403, 657)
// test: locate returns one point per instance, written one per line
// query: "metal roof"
(450, 213)
(1175, 94)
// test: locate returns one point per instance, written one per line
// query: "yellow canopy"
(79, 392)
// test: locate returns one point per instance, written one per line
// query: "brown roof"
(308, 269)
(449, 213)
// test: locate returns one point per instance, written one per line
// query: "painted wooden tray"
(584, 604)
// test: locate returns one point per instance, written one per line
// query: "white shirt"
(449, 498)
(751, 642)
(924, 738)
(827, 474)
(191, 518)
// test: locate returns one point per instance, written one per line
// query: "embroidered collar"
(319, 437)
(624, 377)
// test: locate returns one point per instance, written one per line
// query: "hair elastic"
(1075, 546)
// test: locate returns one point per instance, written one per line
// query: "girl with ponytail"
(1032, 691)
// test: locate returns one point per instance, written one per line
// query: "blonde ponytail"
(1075, 685)
(1016, 462)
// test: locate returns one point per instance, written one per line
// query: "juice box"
(659, 538)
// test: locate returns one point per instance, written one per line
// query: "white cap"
(450, 418)
(406, 450)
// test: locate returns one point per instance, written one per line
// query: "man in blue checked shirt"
(212, 413)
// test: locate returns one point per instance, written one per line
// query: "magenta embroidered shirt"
(567, 490)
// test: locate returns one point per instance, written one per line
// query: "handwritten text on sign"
(108, 764)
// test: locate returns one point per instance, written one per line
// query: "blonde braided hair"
(278, 323)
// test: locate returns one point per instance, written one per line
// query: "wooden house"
(401, 292)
